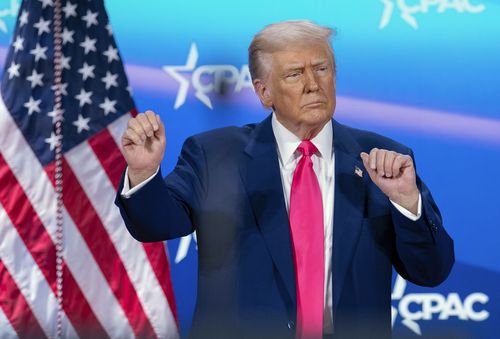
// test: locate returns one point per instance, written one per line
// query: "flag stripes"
(19, 314)
(113, 286)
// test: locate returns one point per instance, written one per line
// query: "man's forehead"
(291, 59)
(314, 50)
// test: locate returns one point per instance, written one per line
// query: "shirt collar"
(288, 142)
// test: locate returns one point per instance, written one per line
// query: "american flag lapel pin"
(358, 171)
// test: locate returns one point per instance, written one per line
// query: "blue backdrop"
(424, 72)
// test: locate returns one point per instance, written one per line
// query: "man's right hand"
(143, 146)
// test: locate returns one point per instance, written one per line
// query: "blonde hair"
(279, 36)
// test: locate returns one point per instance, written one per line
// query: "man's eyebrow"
(320, 62)
(293, 66)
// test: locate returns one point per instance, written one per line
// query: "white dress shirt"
(324, 167)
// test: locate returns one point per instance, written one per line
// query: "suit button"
(291, 325)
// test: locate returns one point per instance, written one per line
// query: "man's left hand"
(394, 174)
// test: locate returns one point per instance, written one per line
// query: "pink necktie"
(306, 223)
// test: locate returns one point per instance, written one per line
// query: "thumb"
(160, 132)
(366, 161)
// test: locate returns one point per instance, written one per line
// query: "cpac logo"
(407, 12)
(427, 306)
(207, 79)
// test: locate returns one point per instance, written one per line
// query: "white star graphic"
(111, 53)
(63, 89)
(13, 70)
(84, 97)
(109, 29)
(81, 123)
(39, 52)
(18, 44)
(52, 140)
(65, 62)
(110, 80)
(52, 114)
(129, 90)
(42, 26)
(35, 78)
(23, 19)
(69, 10)
(67, 36)
(88, 45)
(90, 18)
(87, 71)
(108, 106)
(33, 105)
(173, 71)
(46, 3)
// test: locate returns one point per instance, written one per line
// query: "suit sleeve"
(164, 208)
(424, 251)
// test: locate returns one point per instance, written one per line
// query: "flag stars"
(64, 90)
(109, 29)
(39, 52)
(13, 70)
(108, 106)
(88, 45)
(42, 26)
(53, 140)
(53, 114)
(81, 124)
(111, 53)
(87, 71)
(110, 80)
(69, 10)
(84, 97)
(90, 18)
(65, 62)
(46, 3)
(35, 78)
(18, 44)
(67, 36)
(23, 18)
(33, 105)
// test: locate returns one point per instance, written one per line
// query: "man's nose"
(310, 81)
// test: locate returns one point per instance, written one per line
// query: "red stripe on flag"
(157, 255)
(16, 308)
(33, 233)
(112, 161)
(109, 155)
(105, 254)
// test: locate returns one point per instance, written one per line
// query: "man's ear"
(263, 92)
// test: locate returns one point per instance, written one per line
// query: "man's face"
(301, 88)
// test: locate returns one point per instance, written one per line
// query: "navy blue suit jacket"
(227, 187)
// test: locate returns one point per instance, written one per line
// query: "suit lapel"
(348, 207)
(261, 176)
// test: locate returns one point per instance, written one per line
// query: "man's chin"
(317, 117)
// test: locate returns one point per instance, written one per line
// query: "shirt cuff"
(127, 191)
(407, 213)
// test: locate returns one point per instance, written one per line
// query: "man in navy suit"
(238, 188)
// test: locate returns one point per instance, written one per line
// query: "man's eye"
(293, 75)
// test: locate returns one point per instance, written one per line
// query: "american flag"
(112, 285)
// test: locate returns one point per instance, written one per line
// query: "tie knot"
(307, 148)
